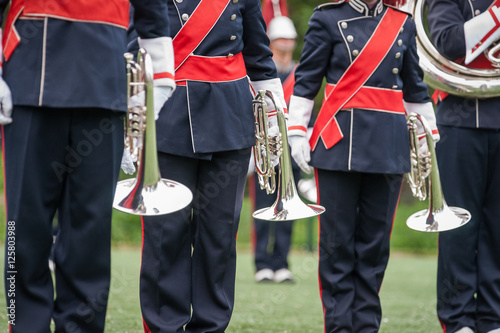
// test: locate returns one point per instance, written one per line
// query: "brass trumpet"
(147, 194)
(288, 205)
(439, 216)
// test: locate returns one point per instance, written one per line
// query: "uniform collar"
(362, 8)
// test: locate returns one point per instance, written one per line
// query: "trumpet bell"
(285, 209)
(447, 218)
(165, 197)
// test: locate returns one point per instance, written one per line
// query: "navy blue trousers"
(189, 257)
(272, 239)
(66, 160)
(468, 281)
(354, 245)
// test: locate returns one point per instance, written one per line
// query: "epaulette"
(330, 4)
(405, 10)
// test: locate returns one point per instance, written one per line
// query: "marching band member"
(205, 133)
(65, 68)
(468, 290)
(359, 146)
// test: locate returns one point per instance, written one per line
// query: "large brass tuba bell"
(288, 205)
(147, 193)
(439, 216)
(448, 76)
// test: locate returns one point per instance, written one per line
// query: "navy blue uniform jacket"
(446, 20)
(50, 66)
(374, 141)
(205, 117)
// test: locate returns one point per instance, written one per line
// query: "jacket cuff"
(426, 110)
(273, 85)
(300, 114)
(480, 32)
(162, 55)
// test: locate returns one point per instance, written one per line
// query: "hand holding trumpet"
(424, 158)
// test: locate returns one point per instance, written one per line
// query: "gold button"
(398, 55)
(401, 30)
(233, 37)
(350, 38)
(395, 71)
(230, 55)
(235, 1)
(233, 17)
(178, 1)
(477, 12)
(394, 87)
(185, 17)
(400, 42)
(355, 52)
(344, 25)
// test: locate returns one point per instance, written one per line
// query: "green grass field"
(127, 231)
(407, 292)
(407, 297)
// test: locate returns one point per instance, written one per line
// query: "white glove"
(272, 121)
(5, 102)
(273, 131)
(251, 165)
(161, 95)
(127, 164)
(270, 105)
(301, 152)
(424, 155)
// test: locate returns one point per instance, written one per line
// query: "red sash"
(374, 98)
(211, 69)
(10, 38)
(355, 76)
(199, 68)
(198, 26)
(288, 86)
(114, 12)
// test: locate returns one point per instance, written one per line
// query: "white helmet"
(281, 27)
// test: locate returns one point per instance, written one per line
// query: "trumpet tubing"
(288, 205)
(262, 149)
(439, 216)
(147, 194)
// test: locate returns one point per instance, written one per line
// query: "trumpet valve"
(276, 144)
(137, 121)
(425, 164)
